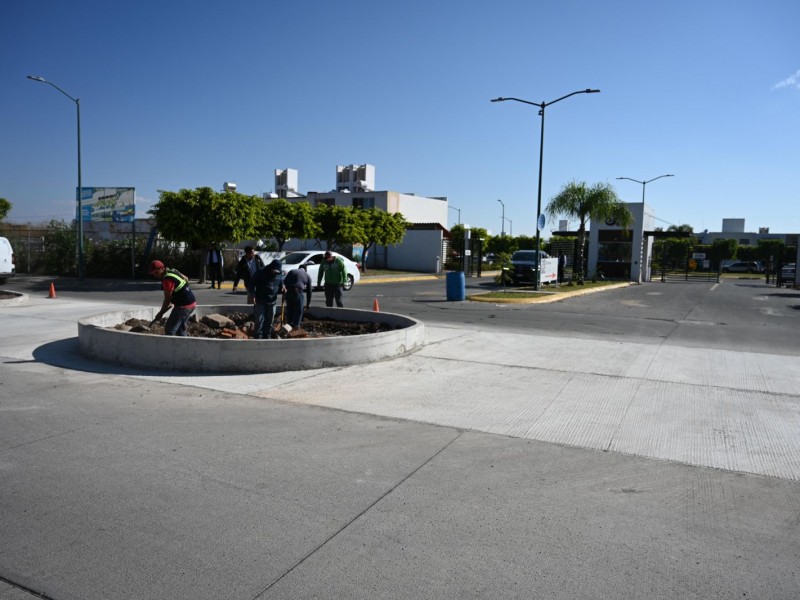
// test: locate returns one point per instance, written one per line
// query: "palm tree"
(598, 202)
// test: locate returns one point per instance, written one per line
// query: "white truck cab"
(7, 262)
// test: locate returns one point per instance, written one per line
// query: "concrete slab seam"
(358, 516)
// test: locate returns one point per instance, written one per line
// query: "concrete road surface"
(489, 464)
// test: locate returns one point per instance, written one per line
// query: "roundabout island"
(99, 339)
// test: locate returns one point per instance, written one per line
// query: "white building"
(618, 252)
(355, 178)
(286, 183)
(420, 250)
(735, 229)
(415, 209)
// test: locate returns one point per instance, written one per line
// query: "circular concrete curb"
(98, 340)
(19, 298)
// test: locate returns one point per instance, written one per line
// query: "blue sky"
(182, 94)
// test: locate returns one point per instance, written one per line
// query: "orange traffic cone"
(375, 306)
(52, 293)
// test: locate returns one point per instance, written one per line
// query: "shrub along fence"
(51, 250)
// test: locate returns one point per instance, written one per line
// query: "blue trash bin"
(456, 288)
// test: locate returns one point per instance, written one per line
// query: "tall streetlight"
(78, 192)
(502, 219)
(644, 183)
(539, 224)
(511, 224)
(459, 213)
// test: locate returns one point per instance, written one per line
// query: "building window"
(325, 202)
(363, 202)
(614, 246)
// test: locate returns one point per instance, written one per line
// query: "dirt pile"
(242, 327)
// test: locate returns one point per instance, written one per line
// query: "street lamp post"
(542, 106)
(78, 192)
(644, 183)
(502, 219)
(459, 213)
(511, 225)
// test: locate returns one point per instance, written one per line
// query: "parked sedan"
(743, 267)
(313, 259)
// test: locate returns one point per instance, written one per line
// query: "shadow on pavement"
(65, 354)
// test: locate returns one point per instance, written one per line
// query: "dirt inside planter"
(243, 327)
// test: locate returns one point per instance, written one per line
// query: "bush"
(59, 250)
(112, 259)
(504, 277)
(188, 262)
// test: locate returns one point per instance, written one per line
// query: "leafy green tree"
(5, 207)
(276, 219)
(527, 242)
(475, 234)
(479, 233)
(502, 244)
(380, 228)
(283, 220)
(453, 259)
(681, 228)
(457, 233)
(770, 251)
(723, 250)
(675, 251)
(338, 225)
(202, 216)
(580, 201)
(304, 223)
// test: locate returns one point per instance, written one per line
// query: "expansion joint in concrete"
(358, 516)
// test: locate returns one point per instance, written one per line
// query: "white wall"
(420, 251)
(733, 225)
(643, 220)
(420, 209)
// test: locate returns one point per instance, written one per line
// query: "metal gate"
(467, 258)
(568, 248)
(677, 260)
(680, 260)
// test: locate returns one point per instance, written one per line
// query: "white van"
(7, 262)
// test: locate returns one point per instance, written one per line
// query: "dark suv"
(523, 265)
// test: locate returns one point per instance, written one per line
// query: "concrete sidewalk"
(485, 465)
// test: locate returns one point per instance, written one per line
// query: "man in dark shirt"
(215, 263)
(298, 287)
(246, 268)
(264, 287)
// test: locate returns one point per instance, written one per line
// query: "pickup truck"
(523, 267)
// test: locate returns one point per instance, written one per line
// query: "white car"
(312, 259)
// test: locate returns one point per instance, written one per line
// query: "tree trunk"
(581, 249)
